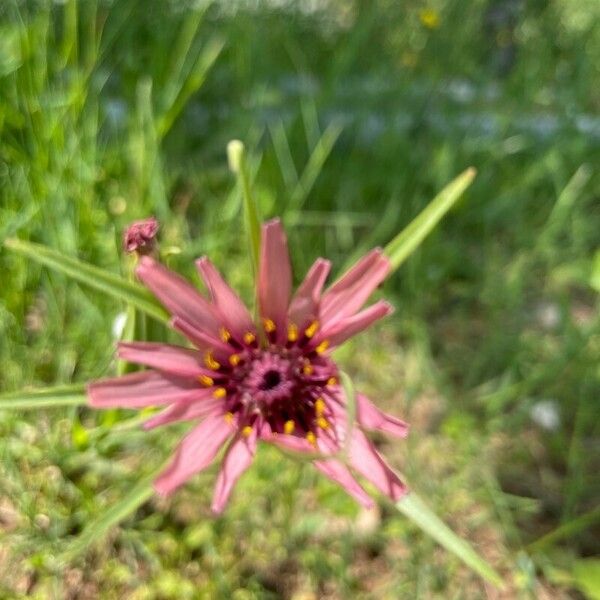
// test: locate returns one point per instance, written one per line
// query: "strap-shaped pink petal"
(137, 390)
(196, 452)
(164, 357)
(291, 443)
(340, 474)
(238, 458)
(232, 310)
(365, 459)
(305, 303)
(350, 326)
(275, 277)
(177, 295)
(370, 417)
(187, 411)
(351, 291)
(201, 340)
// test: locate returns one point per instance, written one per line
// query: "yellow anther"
(311, 438)
(247, 431)
(322, 347)
(224, 334)
(220, 392)
(292, 332)
(332, 381)
(311, 329)
(206, 380)
(289, 427)
(319, 406)
(322, 422)
(249, 338)
(210, 362)
(234, 360)
(307, 369)
(269, 325)
(228, 418)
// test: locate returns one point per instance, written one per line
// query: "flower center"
(271, 379)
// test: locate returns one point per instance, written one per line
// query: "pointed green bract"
(54, 397)
(409, 239)
(92, 276)
(236, 154)
(419, 513)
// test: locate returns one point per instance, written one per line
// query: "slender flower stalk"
(273, 380)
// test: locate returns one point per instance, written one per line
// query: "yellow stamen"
(322, 347)
(289, 427)
(319, 406)
(247, 431)
(249, 338)
(292, 332)
(332, 381)
(269, 325)
(224, 334)
(234, 360)
(307, 369)
(322, 422)
(311, 438)
(210, 362)
(206, 380)
(228, 418)
(311, 329)
(220, 392)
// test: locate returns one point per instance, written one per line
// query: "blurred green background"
(355, 113)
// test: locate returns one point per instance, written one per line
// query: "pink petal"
(350, 326)
(370, 417)
(137, 390)
(232, 310)
(275, 277)
(352, 290)
(197, 450)
(290, 442)
(185, 410)
(338, 472)
(305, 303)
(200, 339)
(238, 458)
(177, 295)
(164, 357)
(365, 459)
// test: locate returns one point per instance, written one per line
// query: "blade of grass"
(409, 239)
(413, 507)
(53, 397)
(100, 526)
(90, 275)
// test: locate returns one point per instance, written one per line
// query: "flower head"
(273, 380)
(140, 236)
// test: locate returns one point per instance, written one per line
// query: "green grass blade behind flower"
(409, 239)
(236, 154)
(419, 513)
(87, 274)
(96, 529)
(53, 397)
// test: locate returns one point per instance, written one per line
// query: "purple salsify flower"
(274, 381)
(140, 236)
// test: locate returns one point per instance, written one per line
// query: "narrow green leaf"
(96, 529)
(54, 397)
(99, 279)
(566, 530)
(409, 239)
(419, 513)
(236, 154)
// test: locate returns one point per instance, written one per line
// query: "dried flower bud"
(140, 236)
